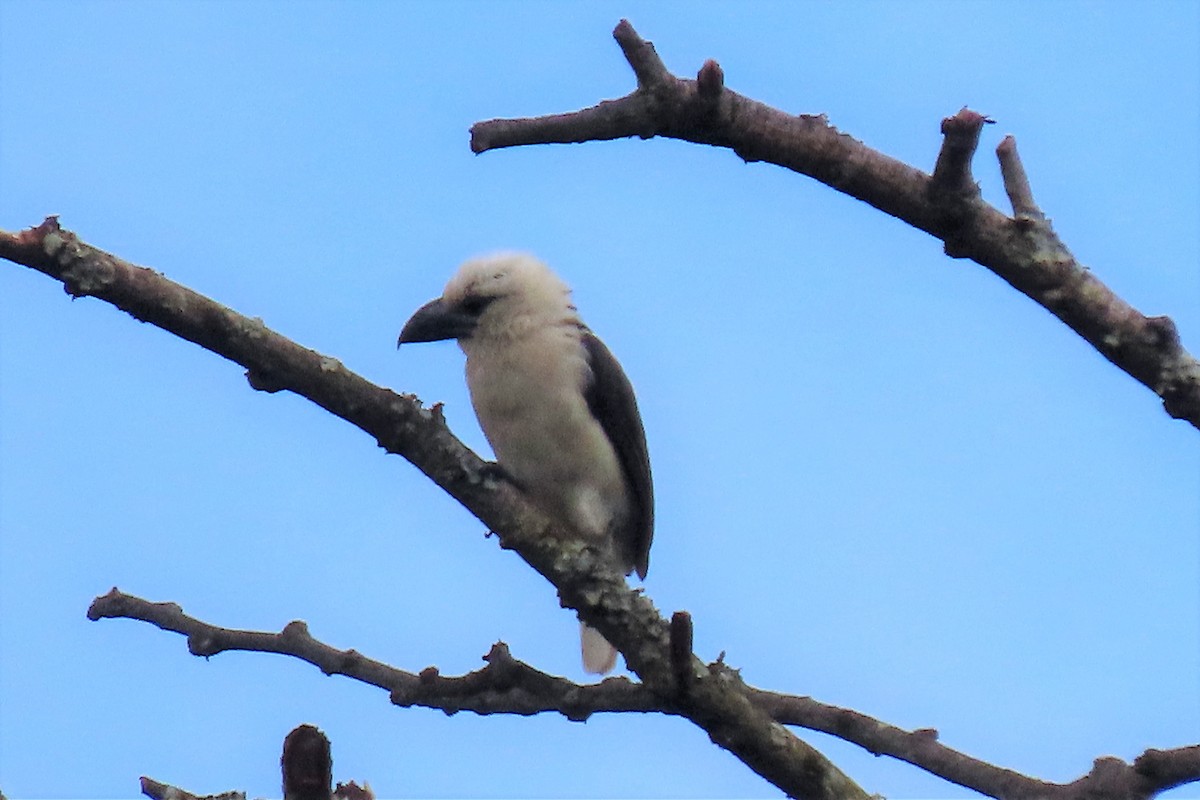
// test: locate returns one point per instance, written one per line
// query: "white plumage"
(554, 404)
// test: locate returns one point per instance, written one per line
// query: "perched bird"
(554, 404)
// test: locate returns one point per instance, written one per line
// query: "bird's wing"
(610, 397)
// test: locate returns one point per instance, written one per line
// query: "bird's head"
(493, 296)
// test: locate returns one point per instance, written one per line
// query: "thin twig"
(1016, 182)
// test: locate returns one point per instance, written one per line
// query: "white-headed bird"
(554, 404)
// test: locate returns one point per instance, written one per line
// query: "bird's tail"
(599, 656)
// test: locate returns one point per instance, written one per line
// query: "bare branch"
(352, 791)
(952, 172)
(1024, 250)
(1152, 772)
(1166, 769)
(682, 660)
(641, 55)
(509, 686)
(585, 576)
(164, 791)
(504, 686)
(710, 81)
(1016, 182)
(307, 765)
(633, 115)
(920, 747)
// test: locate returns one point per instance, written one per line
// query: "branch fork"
(1022, 248)
(507, 685)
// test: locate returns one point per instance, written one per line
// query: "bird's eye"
(475, 304)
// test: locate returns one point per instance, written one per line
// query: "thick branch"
(1023, 249)
(585, 577)
(307, 765)
(509, 686)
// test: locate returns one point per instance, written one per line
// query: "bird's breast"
(528, 397)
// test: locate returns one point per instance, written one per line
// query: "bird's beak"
(435, 321)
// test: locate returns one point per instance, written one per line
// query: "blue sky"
(884, 479)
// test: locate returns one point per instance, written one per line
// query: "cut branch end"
(960, 138)
(1016, 182)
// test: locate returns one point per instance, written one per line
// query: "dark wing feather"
(610, 397)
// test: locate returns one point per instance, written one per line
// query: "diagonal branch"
(586, 579)
(1023, 249)
(509, 686)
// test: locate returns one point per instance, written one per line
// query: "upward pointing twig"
(1021, 249)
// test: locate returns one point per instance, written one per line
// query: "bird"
(555, 406)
